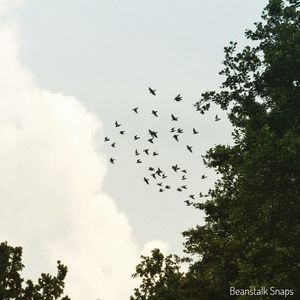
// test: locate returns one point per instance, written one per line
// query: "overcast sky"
(70, 69)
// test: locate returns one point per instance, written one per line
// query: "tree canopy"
(251, 237)
(12, 284)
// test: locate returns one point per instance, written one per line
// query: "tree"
(251, 237)
(11, 283)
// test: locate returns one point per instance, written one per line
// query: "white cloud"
(50, 185)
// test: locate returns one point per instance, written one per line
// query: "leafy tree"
(11, 283)
(251, 237)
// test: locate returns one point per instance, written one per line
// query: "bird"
(159, 172)
(161, 190)
(151, 141)
(146, 180)
(136, 137)
(164, 176)
(192, 196)
(117, 124)
(184, 187)
(153, 92)
(189, 148)
(188, 203)
(178, 98)
(146, 151)
(217, 118)
(113, 145)
(137, 153)
(155, 153)
(153, 133)
(106, 139)
(175, 168)
(173, 129)
(138, 161)
(154, 113)
(112, 160)
(135, 109)
(174, 118)
(167, 187)
(201, 195)
(175, 136)
(151, 169)
(159, 184)
(122, 132)
(179, 130)
(179, 190)
(183, 177)
(153, 175)
(184, 171)
(195, 131)
(203, 177)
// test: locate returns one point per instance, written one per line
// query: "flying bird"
(189, 148)
(155, 153)
(153, 133)
(167, 187)
(159, 184)
(122, 132)
(112, 160)
(135, 109)
(175, 168)
(184, 171)
(153, 175)
(113, 145)
(151, 169)
(138, 161)
(203, 177)
(152, 91)
(183, 177)
(154, 113)
(146, 151)
(184, 187)
(178, 98)
(201, 195)
(164, 176)
(195, 131)
(136, 137)
(117, 124)
(174, 118)
(106, 139)
(175, 136)
(151, 141)
(179, 130)
(159, 172)
(146, 180)
(137, 153)
(217, 118)
(179, 190)
(173, 129)
(192, 196)
(161, 190)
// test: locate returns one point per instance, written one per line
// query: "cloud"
(50, 184)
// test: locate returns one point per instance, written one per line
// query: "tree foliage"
(251, 237)
(12, 285)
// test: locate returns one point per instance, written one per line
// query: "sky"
(70, 69)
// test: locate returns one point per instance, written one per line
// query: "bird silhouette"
(117, 124)
(122, 132)
(180, 130)
(164, 176)
(155, 153)
(174, 118)
(173, 129)
(159, 184)
(153, 133)
(113, 145)
(203, 177)
(179, 190)
(167, 187)
(217, 118)
(106, 139)
(151, 141)
(154, 112)
(161, 190)
(184, 187)
(151, 169)
(195, 131)
(137, 153)
(112, 160)
(201, 195)
(159, 172)
(146, 151)
(189, 148)
(153, 175)
(175, 136)
(188, 202)
(135, 109)
(138, 161)
(136, 137)
(178, 98)
(153, 92)
(183, 177)
(175, 168)
(184, 171)
(192, 196)
(146, 180)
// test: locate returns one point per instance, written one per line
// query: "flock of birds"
(156, 175)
